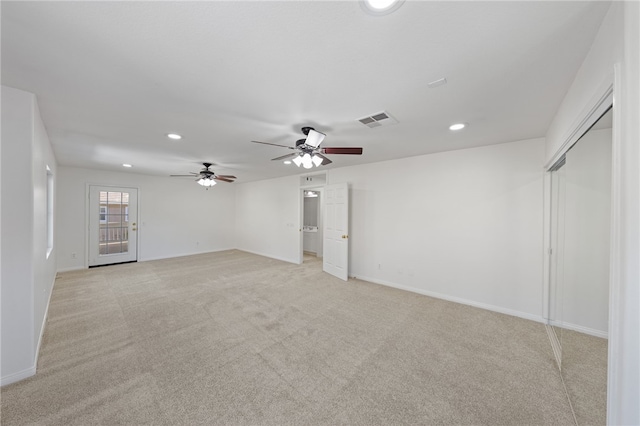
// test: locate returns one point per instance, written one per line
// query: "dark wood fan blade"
(274, 144)
(336, 150)
(325, 160)
(227, 176)
(222, 179)
(284, 157)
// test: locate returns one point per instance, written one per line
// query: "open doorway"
(329, 237)
(312, 225)
(312, 209)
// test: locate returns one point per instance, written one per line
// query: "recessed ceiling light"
(287, 162)
(457, 126)
(380, 7)
(127, 165)
(174, 136)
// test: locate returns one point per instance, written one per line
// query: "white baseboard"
(269, 256)
(171, 256)
(73, 268)
(146, 259)
(580, 329)
(16, 377)
(44, 322)
(499, 309)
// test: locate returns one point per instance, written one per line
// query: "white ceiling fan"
(308, 151)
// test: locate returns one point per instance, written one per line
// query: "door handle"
(345, 236)
(134, 229)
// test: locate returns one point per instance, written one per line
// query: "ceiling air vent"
(376, 120)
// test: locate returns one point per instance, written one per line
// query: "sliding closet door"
(585, 281)
(556, 275)
(586, 234)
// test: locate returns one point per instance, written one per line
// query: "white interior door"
(336, 231)
(113, 214)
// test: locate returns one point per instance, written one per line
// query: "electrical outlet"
(74, 256)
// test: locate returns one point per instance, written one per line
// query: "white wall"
(27, 273)
(177, 217)
(462, 225)
(268, 218)
(616, 45)
(587, 225)
(45, 267)
(596, 71)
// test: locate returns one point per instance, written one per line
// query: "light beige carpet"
(584, 369)
(233, 338)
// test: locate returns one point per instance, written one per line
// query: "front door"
(336, 231)
(113, 214)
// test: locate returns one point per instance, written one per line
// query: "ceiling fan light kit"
(208, 178)
(206, 182)
(307, 163)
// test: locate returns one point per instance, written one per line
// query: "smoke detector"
(377, 120)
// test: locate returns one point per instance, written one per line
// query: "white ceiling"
(112, 78)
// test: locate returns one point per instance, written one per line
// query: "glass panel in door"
(112, 234)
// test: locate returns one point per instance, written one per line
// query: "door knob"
(345, 236)
(134, 229)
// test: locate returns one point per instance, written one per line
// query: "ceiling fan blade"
(181, 175)
(325, 160)
(222, 179)
(227, 176)
(274, 144)
(346, 150)
(314, 138)
(284, 157)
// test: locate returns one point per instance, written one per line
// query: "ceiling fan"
(308, 152)
(206, 177)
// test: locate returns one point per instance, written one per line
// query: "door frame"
(87, 215)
